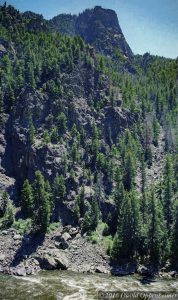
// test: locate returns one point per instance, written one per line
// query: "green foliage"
(101, 64)
(29, 75)
(8, 218)
(46, 137)
(4, 202)
(22, 226)
(106, 230)
(157, 234)
(1, 101)
(148, 155)
(141, 91)
(129, 171)
(81, 201)
(31, 132)
(54, 135)
(168, 189)
(75, 153)
(27, 201)
(59, 188)
(53, 226)
(175, 236)
(42, 203)
(119, 197)
(61, 122)
(91, 218)
(144, 204)
(156, 131)
(77, 209)
(126, 240)
(175, 166)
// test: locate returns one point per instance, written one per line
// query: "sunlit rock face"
(98, 27)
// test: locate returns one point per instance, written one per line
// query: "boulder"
(73, 231)
(21, 272)
(142, 270)
(101, 269)
(47, 262)
(18, 271)
(124, 270)
(62, 261)
(35, 262)
(66, 236)
(2, 257)
(1, 269)
(29, 271)
(85, 268)
(4, 232)
(58, 245)
(173, 274)
(53, 260)
(66, 228)
(64, 239)
(119, 272)
(17, 237)
(12, 230)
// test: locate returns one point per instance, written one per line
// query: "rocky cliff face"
(87, 96)
(19, 159)
(98, 27)
(84, 100)
(82, 138)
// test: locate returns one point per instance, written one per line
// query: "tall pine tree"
(175, 237)
(168, 184)
(42, 203)
(27, 199)
(126, 241)
(157, 233)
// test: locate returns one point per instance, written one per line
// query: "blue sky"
(148, 25)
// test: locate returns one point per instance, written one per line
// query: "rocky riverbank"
(64, 249)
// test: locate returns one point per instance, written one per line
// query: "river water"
(58, 285)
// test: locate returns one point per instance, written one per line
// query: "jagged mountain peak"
(107, 16)
(97, 26)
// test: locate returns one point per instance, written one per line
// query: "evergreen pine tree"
(5, 199)
(143, 191)
(126, 241)
(8, 219)
(46, 137)
(91, 217)
(59, 188)
(119, 198)
(174, 252)
(30, 77)
(94, 214)
(157, 234)
(176, 169)
(31, 131)
(42, 203)
(156, 131)
(168, 184)
(77, 209)
(62, 123)
(1, 101)
(81, 201)
(129, 171)
(27, 199)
